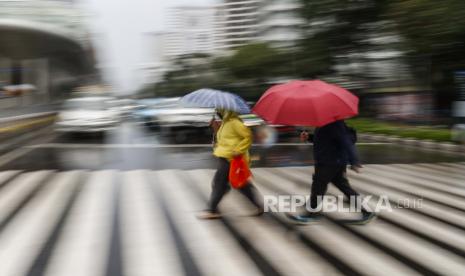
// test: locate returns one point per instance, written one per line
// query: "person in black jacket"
(333, 149)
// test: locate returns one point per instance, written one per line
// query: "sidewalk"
(25, 110)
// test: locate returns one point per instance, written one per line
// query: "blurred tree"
(340, 26)
(435, 31)
(256, 61)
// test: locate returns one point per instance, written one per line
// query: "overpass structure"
(46, 45)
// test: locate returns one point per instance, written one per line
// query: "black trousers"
(220, 187)
(329, 174)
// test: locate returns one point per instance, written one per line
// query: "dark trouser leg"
(322, 176)
(252, 194)
(342, 183)
(220, 185)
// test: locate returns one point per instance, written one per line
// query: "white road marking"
(85, 242)
(25, 235)
(146, 238)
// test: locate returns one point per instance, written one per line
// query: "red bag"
(239, 172)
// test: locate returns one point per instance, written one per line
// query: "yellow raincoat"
(233, 137)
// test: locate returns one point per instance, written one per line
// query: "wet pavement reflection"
(136, 147)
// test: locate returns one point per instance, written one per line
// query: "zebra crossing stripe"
(458, 166)
(114, 266)
(202, 177)
(366, 258)
(455, 243)
(422, 175)
(366, 244)
(282, 252)
(445, 169)
(213, 249)
(82, 249)
(410, 181)
(426, 193)
(187, 260)
(49, 226)
(148, 248)
(24, 236)
(20, 193)
(39, 265)
(7, 177)
(431, 209)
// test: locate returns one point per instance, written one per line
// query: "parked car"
(87, 115)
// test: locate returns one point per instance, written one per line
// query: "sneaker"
(209, 215)
(307, 218)
(366, 218)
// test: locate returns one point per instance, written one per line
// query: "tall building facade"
(240, 22)
(189, 30)
(237, 23)
(218, 29)
(226, 26)
(279, 22)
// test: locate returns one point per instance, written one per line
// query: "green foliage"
(364, 125)
(430, 25)
(254, 61)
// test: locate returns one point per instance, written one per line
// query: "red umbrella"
(306, 103)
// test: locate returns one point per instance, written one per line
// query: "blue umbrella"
(211, 98)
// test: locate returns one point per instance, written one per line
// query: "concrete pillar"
(36, 73)
(41, 80)
(27, 77)
(5, 71)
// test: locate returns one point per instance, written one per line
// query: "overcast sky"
(119, 27)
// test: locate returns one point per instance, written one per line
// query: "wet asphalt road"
(134, 146)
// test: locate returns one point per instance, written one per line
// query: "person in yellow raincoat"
(232, 138)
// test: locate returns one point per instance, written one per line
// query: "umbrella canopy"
(216, 99)
(306, 103)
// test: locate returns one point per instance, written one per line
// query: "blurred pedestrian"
(233, 138)
(333, 149)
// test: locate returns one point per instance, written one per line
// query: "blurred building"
(273, 21)
(190, 29)
(218, 29)
(279, 22)
(43, 46)
(237, 23)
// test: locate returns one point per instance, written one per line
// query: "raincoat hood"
(227, 114)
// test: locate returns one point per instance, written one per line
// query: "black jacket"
(333, 146)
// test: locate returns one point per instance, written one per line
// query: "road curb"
(13, 126)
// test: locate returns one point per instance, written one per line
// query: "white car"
(171, 114)
(86, 115)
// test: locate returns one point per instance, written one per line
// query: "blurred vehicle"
(17, 90)
(145, 109)
(124, 107)
(87, 115)
(168, 114)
